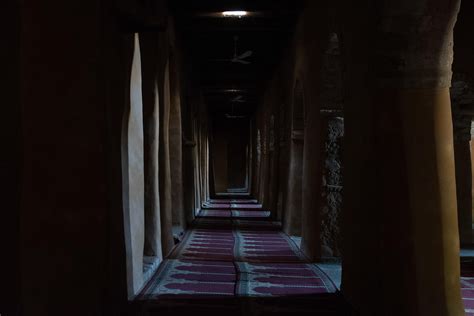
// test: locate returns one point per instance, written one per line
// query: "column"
(175, 138)
(150, 47)
(164, 153)
(400, 232)
(292, 214)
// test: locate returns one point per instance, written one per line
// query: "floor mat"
(231, 204)
(234, 213)
(265, 245)
(281, 279)
(215, 213)
(213, 206)
(241, 201)
(192, 278)
(236, 258)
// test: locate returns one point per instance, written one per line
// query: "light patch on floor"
(332, 269)
(467, 253)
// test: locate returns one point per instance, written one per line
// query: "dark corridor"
(233, 157)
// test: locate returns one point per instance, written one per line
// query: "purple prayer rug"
(233, 214)
(226, 257)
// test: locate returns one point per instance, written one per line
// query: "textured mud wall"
(331, 195)
(462, 98)
(462, 103)
(333, 133)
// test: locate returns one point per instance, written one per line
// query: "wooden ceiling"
(207, 36)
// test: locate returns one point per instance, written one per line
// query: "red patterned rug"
(192, 278)
(236, 258)
(281, 279)
(265, 245)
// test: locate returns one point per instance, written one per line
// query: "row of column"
(400, 236)
(100, 120)
(292, 130)
(166, 176)
(154, 159)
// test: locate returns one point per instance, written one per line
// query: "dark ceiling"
(208, 37)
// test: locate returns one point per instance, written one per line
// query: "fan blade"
(238, 98)
(245, 55)
(240, 61)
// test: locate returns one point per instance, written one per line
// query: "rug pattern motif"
(227, 254)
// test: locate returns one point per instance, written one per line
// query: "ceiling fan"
(239, 99)
(238, 58)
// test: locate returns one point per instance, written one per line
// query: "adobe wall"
(64, 194)
(76, 63)
(176, 130)
(10, 161)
